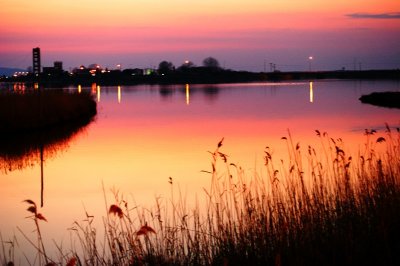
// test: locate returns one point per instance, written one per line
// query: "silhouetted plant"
(36, 216)
(313, 209)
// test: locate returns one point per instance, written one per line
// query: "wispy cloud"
(391, 15)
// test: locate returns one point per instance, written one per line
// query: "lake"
(143, 135)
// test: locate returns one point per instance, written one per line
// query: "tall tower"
(36, 61)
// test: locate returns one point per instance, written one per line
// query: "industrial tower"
(36, 61)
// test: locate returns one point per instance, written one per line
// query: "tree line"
(166, 67)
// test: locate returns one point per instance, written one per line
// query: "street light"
(310, 58)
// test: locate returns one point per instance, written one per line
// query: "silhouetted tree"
(165, 67)
(186, 65)
(211, 62)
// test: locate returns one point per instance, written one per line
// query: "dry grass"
(328, 208)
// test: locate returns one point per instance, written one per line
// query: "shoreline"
(41, 111)
(389, 99)
(196, 75)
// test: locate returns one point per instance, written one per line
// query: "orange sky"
(142, 33)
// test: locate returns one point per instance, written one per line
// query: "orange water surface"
(145, 134)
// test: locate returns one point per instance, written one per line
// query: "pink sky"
(240, 34)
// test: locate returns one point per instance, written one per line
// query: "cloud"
(391, 15)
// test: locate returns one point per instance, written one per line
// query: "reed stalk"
(329, 208)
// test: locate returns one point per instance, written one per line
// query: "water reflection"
(94, 86)
(311, 92)
(98, 92)
(19, 87)
(166, 90)
(152, 134)
(21, 150)
(187, 88)
(119, 94)
(211, 91)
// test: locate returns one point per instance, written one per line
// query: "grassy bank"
(389, 99)
(32, 110)
(315, 208)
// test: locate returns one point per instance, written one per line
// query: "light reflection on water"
(145, 134)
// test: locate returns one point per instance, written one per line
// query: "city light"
(310, 58)
(19, 74)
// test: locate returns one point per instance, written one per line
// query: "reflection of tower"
(36, 61)
(41, 174)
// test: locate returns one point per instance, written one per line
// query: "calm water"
(145, 134)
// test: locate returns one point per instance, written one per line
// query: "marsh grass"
(7, 254)
(315, 208)
(32, 110)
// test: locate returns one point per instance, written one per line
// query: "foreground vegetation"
(321, 206)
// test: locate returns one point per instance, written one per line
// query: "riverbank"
(38, 110)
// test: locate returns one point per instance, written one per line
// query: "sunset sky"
(242, 35)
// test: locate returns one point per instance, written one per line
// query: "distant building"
(94, 67)
(57, 69)
(58, 65)
(82, 71)
(36, 61)
(133, 72)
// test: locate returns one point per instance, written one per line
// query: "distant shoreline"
(389, 99)
(195, 75)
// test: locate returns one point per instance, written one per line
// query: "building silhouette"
(36, 61)
(56, 70)
(58, 66)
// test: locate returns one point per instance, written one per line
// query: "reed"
(42, 109)
(328, 208)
